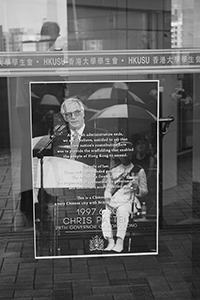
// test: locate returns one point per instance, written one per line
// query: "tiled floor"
(173, 274)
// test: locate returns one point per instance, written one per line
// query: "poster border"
(157, 173)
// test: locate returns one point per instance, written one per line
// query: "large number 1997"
(88, 211)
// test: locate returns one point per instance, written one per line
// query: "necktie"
(74, 145)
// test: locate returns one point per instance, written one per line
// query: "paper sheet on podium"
(63, 173)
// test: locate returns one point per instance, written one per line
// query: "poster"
(95, 168)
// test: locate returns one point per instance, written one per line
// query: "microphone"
(56, 131)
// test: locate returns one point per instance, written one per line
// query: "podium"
(63, 173)
(64, 180)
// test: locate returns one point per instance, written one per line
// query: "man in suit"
(78, 141)
(74, 140)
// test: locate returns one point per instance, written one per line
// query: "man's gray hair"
(68, 102)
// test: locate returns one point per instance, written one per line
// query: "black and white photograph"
(95, 167)
(99, 150)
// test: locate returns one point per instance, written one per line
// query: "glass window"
(90, 29)
(118, 27)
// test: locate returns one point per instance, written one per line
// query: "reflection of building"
(15, 39)
(29, 43)
(176, 28)
(185, 17)
(1, 40)
(142, 26)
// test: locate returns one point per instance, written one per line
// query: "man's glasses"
(75, 114)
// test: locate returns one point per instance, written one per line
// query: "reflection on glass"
(20, 26)
(185, 19)
(119, 26)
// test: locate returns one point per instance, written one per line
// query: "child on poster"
(124, 184)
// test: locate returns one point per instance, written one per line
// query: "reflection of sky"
(29, 14)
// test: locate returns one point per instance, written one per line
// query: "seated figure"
(123, 185)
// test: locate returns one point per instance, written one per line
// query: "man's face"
(74, 115)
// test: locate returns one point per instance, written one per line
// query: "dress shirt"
(79, 131)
